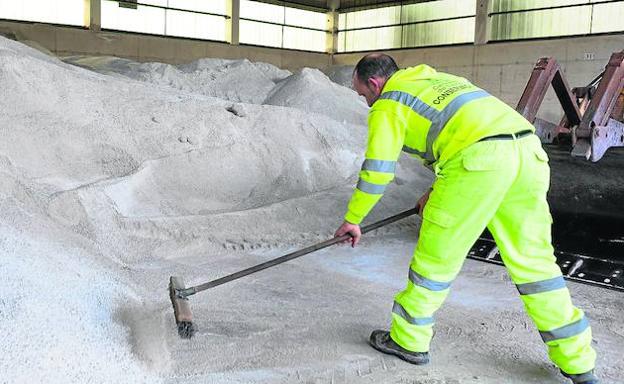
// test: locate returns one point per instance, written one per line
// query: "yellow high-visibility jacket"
(430, 115)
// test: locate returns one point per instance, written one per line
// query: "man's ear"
(376, 83)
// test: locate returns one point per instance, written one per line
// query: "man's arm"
(385, 140)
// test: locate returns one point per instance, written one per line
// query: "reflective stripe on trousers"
(549, 285)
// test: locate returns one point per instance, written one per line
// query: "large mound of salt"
(340, 74)
(234, 80)
(108, 183)
(312, 91)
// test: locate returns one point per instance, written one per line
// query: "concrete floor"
(308, 321)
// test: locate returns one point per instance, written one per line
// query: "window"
(420, 24)
(515, 19)
(67, 12)
(198, 19)
(282, 27)
(371, 39)
(258, 33)
(439, 33)
(438, 23)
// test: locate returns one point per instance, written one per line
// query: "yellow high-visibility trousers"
(501, 185)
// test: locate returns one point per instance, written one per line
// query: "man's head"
(370, 75)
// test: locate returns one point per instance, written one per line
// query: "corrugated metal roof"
(344, 4)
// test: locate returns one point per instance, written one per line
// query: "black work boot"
(381, 341)
(583, 378)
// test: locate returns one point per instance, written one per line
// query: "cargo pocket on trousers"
(438, 216)
(435, 231)
(541, 155)
(541, 172)
(480, 167)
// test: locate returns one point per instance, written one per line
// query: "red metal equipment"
(593, 115)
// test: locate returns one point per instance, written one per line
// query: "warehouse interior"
(145, 139)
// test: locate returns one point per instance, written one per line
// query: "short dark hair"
(375, 64)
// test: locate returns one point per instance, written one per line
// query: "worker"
(490, 171)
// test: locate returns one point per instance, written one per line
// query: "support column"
(332, 26)
(482, 23)
(93, 15)
(233, 24)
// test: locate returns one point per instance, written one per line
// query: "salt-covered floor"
(115, 175)
(308, 322)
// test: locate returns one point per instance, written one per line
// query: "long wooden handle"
(282, 259)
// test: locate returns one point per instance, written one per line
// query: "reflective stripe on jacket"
(430, 115)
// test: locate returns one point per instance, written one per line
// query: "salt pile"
(241, 81)
(111, 185)
(340, 74)
(234, 80)
(59, 303)
(312, 91)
